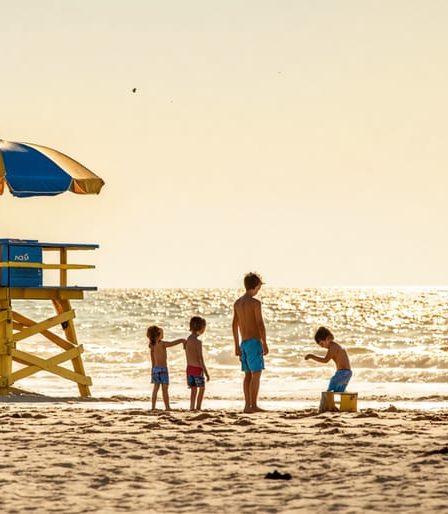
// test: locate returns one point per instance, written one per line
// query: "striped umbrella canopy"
(35, 170)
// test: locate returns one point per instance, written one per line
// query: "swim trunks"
(159, 375)
(339, 380)
(195, 376)
(251, 356)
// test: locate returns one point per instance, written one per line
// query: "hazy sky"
(306, 140)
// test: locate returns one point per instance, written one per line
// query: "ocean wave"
(114, 357)
(226, 357)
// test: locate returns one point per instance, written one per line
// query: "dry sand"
(68, 459)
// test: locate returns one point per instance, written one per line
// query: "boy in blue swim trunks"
(248, 323)
(196, 368)
(159, 371)
(335, 352)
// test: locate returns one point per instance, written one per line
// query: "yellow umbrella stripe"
(2, 174)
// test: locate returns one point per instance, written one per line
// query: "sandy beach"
(78, 459)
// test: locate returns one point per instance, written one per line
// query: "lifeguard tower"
(21, 278)
(28, 170)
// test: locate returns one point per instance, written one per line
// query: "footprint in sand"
(102, 451)
(216, 421)
(326, 455)
(151, 426)
(426, 417)
(332, 431)
(39, 416)
(374, 433)
(126, 418)
(201, 417)
(91, 431)
(368, 414)
(391, 408)
(100, 482)
(243, 422)
(22, 415)
(65, 464)
(176, 421)
(138, 412)
(326, 424)
(387, 478)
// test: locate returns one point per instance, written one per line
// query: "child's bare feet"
(252, 410)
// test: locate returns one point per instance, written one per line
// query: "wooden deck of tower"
(21, 266)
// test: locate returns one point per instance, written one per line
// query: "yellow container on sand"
(349, 402)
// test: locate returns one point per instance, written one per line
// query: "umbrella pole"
(6, 344)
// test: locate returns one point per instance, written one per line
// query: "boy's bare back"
(248, 312)
(338, 355)
(193, 351)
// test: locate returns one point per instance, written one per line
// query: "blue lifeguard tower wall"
(22, 263)
(20, 251)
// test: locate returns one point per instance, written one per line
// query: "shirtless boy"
(159, 371)
(195, 363)
(248, 323)
(335, 352)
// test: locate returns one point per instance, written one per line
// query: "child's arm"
(323, 360)
(201, 360)
(236, 336)
(174, 343)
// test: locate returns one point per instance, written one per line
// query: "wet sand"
(65, 459)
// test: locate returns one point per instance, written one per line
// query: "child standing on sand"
(248, 322)
(335, 352)
(159, 372)
(195, 363)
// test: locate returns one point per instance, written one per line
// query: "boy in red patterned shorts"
(195, 363)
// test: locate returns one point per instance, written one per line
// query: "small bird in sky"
(134, 90)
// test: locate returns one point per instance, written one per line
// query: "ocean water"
(397, 341)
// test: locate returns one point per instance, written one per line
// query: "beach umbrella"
(34, 170)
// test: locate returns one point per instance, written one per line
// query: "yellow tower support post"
(6, 344)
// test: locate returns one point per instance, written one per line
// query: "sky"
(305, 140)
